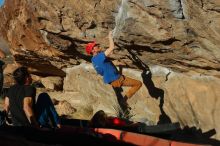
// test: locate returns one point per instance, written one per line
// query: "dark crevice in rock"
(60, 16)
(167, 75)
(80, 23)
(196, 66)
(33, 60)
(191, 32)
(92, 25)
(188, 43)
(202, 3)
(167, 42)
(67, 37)
(187, 66)
(67, 45)
(29, 22)
(75, 40)
(58, 42)
(71, 49)
(97, 3)
(42, 18)
(73, 53)
(152, 6)
(141, 49)
(155, 15)
(144, 4)
(215, 10)
(161, 50)
(137, 61)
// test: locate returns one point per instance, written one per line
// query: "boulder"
(53, 83)
(182, 35)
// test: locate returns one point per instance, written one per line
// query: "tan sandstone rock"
(53, 83)
(182, 35)
(191, 100)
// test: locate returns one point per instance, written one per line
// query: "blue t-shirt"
(105, 68)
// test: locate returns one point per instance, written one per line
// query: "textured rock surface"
(191, 100)
(53, 83)
(4, 45)
(182, 35)
(64, 108)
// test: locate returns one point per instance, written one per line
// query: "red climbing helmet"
(89, 47)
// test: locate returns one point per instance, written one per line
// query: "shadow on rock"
(154, 92)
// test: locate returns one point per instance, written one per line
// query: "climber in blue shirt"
(107, 69)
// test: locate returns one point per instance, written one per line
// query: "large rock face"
(181, 35)
(166, 96)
